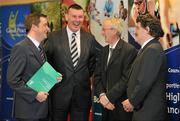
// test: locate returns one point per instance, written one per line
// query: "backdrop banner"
(13, 31)
(172, 86)
(0, 61)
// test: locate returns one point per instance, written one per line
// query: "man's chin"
(45, 37)
(76, 28)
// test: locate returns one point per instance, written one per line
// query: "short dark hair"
(33, 18)
(75, 6)
(153, 23)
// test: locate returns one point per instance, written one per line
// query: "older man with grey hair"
(112, 71)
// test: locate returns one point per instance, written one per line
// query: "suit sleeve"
(48, 46)
(98, 86)
(15, 73)
(120, 88)
(94, 55)
(150, 66)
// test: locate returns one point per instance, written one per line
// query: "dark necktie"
(110, 54)
(42, 54)
(139, 51)
(74, 50)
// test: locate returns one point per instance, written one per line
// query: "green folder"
(44, 79)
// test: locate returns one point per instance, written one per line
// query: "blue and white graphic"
(173, 84)
(12, 31)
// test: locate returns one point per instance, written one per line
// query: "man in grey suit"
(25, 60)
(112, 71)
(72, 52)
(147, 81)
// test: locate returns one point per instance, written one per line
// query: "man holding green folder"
(26, 58)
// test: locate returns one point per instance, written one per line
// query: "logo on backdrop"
(13, 29)
(13, 23)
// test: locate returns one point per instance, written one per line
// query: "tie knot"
(73, 35)
(110, 49)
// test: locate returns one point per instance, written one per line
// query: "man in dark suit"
(72, 52)
(25, 60)
(147, 81)
(112, 71)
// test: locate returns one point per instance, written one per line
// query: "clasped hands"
(128, 107)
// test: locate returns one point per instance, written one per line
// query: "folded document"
(44, 79)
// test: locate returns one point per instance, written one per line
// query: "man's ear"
(33, 27)
(147, 29)
(66, 17)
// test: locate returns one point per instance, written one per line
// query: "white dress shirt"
(35, 42)
(69, 32)
(145, 43)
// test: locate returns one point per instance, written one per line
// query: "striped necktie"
(42, 54)
(74, 50)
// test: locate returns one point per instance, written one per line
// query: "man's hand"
(105, 102)
(59, 79)
(42, 96)
(110, 106)
(128, 107)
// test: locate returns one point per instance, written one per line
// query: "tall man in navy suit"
(25, 60)
(147, 81)
(72, 52)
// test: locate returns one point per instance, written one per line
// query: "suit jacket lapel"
(116, 52)
(67, 53)
(105, 56)
(34, 50)
(83, 48)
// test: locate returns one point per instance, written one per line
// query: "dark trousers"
(118, 114)
(20, 119)
(75, 112)
(74, 116)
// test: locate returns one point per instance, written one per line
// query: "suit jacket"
(112, 79)
(146, 87)
(25, 60)
(76, 81)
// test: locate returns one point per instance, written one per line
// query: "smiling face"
(75, 19)
(41, 29)
(110, 30)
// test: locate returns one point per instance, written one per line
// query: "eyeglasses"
(138, 3)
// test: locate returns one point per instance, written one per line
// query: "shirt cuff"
(103, 94)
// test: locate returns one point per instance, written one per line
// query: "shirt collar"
(36, 43)
(113, 47)
(70, 32)
(145, 43)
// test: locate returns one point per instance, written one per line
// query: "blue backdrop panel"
(0, 61)
(173, 84)
(13, 31)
